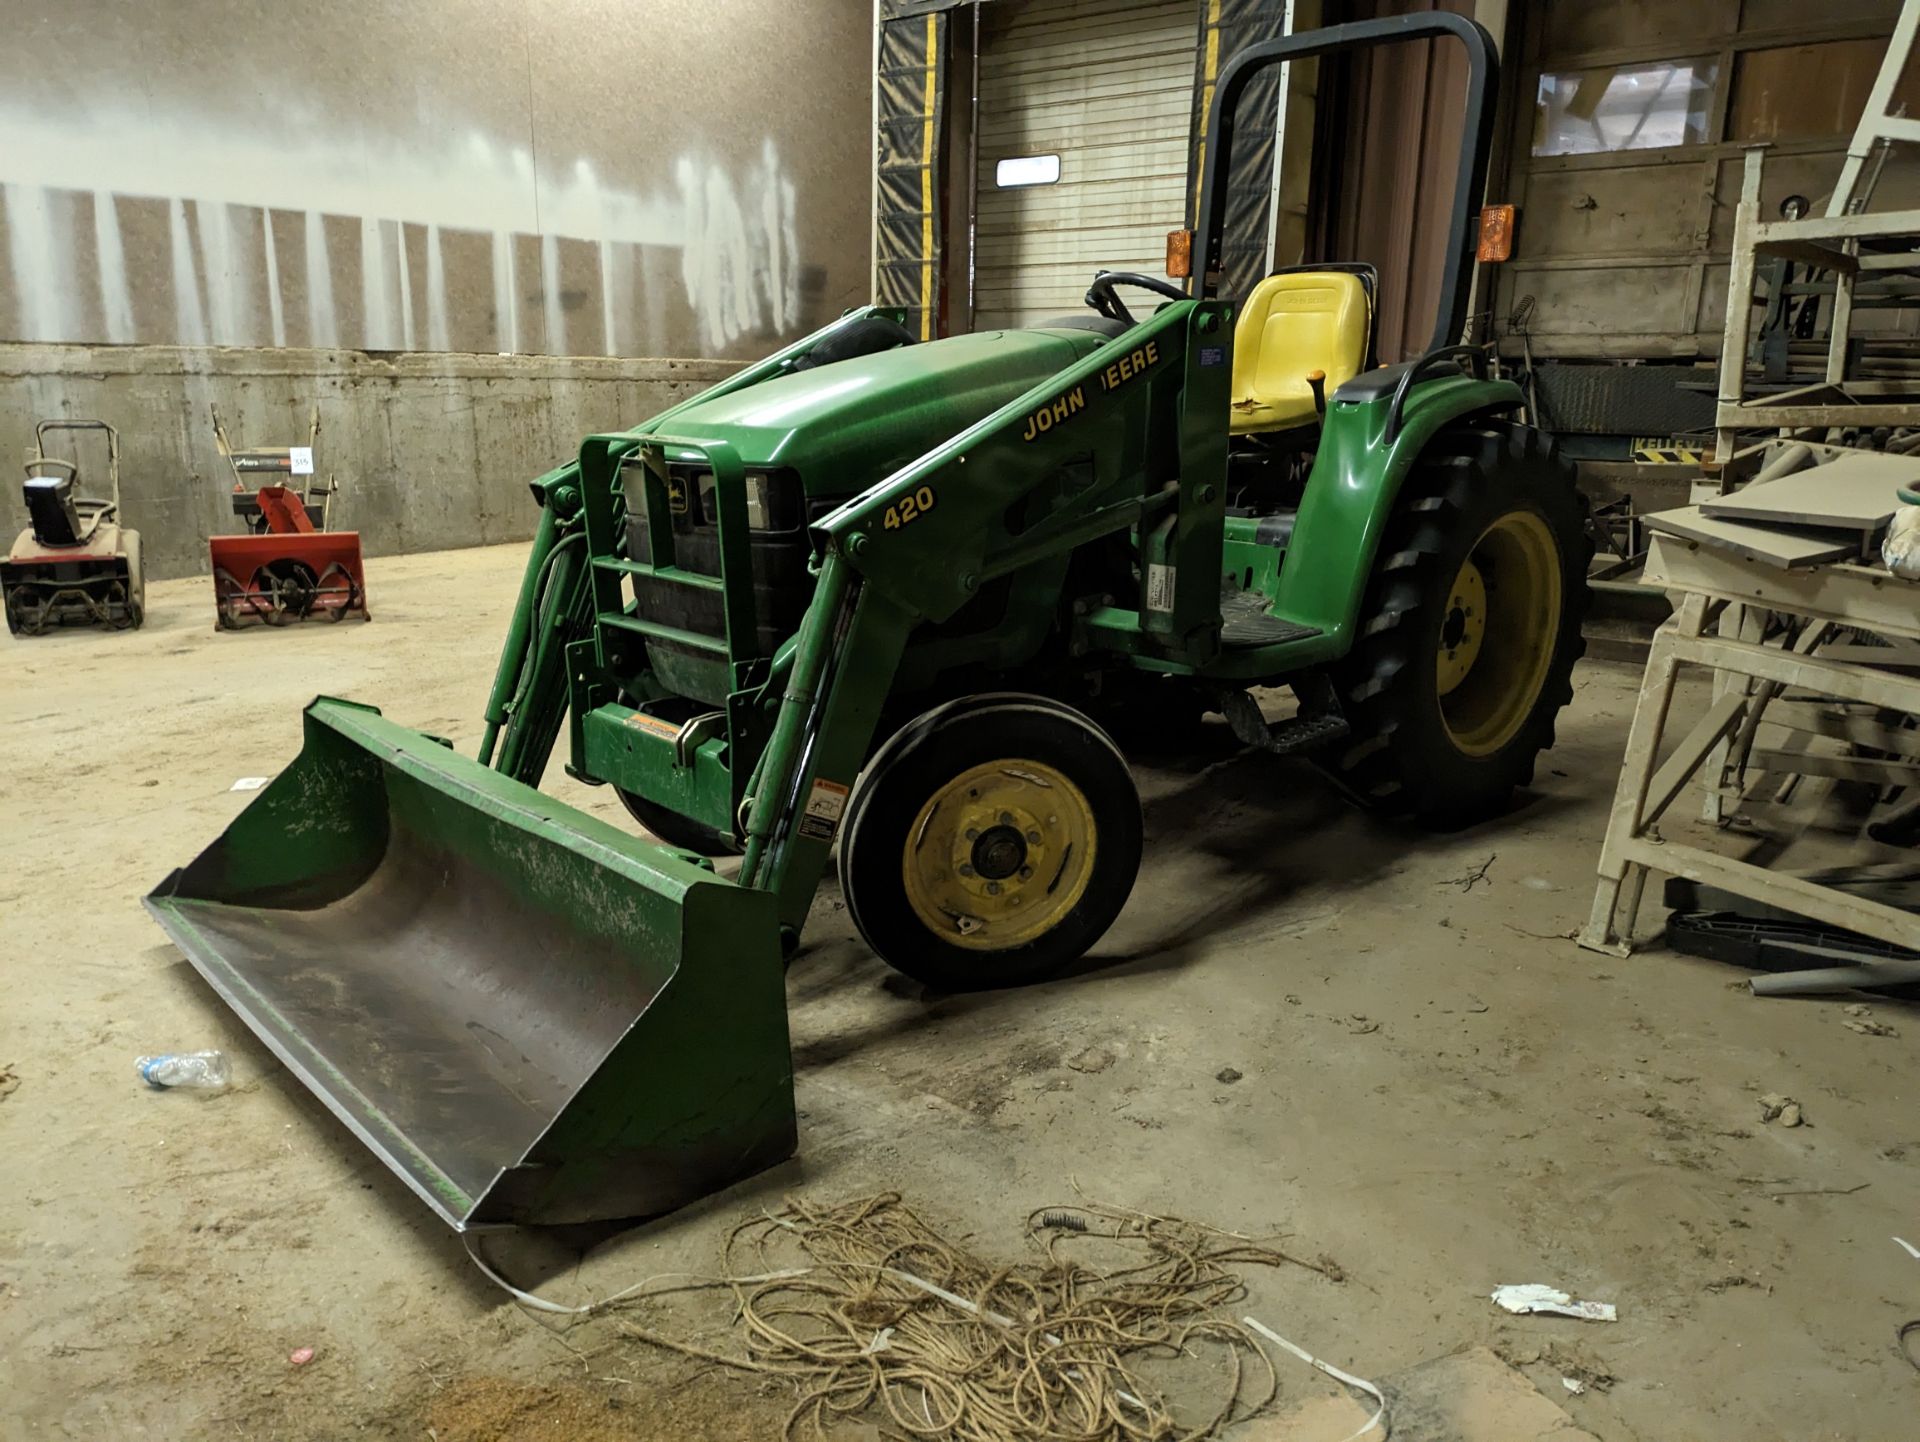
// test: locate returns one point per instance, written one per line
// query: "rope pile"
(863, 1305)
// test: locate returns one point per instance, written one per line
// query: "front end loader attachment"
(528, 1015)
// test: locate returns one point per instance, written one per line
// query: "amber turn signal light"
(1179, 254)
(1496, 234)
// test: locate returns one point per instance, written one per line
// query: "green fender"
(1356, 479)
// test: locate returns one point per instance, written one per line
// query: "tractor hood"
(845, 425)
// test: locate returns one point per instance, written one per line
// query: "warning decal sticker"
(825, 803)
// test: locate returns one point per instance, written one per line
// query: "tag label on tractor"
(300, 459)
(660, 727)
(1160, 588)
(825, 803)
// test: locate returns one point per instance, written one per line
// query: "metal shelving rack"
(1847, 241)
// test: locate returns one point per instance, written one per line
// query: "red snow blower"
(291, 566)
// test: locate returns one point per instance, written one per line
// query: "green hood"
(844, 426)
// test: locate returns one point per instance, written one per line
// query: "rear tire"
(1450, 708)
(990, 843)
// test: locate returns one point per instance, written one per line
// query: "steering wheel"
(1101, 297)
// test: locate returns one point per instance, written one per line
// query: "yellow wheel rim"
(999, 855)
(1497, 636)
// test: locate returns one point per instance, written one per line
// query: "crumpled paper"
(1526, 1297)
(1901, 549)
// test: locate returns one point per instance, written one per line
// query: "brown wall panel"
(1573, 25)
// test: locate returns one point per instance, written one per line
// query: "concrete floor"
(1437, 1090)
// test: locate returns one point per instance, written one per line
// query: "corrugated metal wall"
(1107, 87)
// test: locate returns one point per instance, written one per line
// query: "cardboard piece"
(1855, 493)
(1768, 545)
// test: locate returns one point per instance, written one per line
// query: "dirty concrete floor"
(1436, 1089)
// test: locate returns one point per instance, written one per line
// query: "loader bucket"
(530, 1016)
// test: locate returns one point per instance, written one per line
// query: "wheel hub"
(1000, 854)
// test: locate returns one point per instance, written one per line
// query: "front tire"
(990, 843)
(680, 832)
(1469, 630)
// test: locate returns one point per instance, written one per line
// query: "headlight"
(633, 473)
(758, 517)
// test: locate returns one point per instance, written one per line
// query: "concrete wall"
(659, 178)
(431, 451)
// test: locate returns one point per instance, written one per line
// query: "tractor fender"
(1357, 474)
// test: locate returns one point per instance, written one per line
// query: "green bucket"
(530, 1016)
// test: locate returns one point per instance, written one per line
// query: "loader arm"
(1130, 434)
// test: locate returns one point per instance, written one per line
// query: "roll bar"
(1475, 141)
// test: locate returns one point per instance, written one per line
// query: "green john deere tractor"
(874, 593)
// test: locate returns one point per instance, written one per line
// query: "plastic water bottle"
(185, 1069)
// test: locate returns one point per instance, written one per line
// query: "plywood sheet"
(1768, 545)
(1854, 493)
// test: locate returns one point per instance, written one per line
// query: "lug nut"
(993, 888)
(1026, 873)
(965, 870)
(1006, 818)
(1033, 838)
(972, 834)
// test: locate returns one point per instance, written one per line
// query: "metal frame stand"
(1846, 241)
(1751, 677)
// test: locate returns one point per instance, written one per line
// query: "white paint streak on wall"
(739, 276)
(116, 301)
(190, 315)
(322, 323)
(376, 300)
(40, 276)
(227, 301)
(276, 308)
(506, 294)
(737, 233)
(406, 288)
(552, 300)
(789, 280)
(609, 335)
(437, 328)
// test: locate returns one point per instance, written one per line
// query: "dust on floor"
(494, 1409)
(1376, 1041)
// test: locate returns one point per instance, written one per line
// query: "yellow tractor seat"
(1295, 323)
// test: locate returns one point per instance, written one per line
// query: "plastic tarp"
(912, 107)
(1227, 26)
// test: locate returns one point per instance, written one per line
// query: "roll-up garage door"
(1084, 110)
